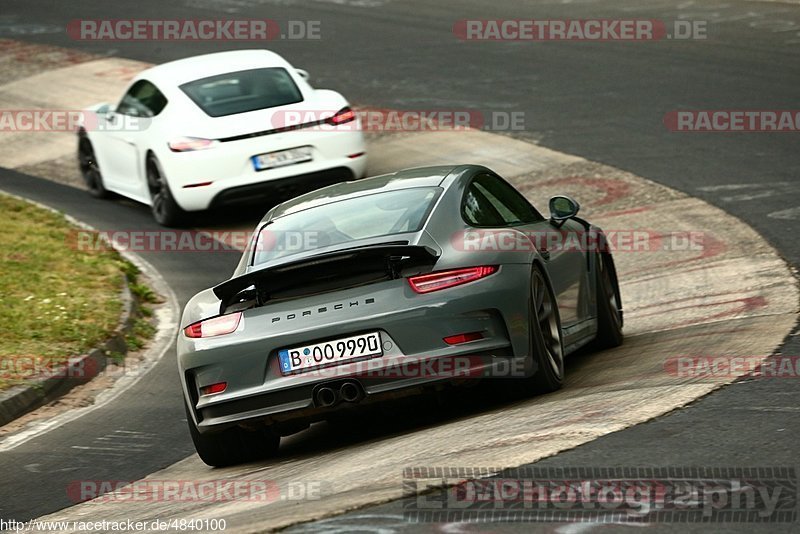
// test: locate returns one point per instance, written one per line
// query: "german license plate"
(281, 158)
(333, 352)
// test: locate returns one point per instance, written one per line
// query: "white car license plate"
(330, 352)
(282, 158)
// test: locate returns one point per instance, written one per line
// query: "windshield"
(243, 91)
(353, 219)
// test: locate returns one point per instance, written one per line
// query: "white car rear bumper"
(226, 174)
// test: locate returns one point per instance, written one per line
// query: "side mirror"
(103, 108)
(562, 208)
(303, 74)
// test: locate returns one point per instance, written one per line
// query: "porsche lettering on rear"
(322, 309)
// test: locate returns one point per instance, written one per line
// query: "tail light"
(216, 326)
(425, 283)
(343, 116)
(189, 144)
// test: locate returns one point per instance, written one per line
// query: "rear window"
(243, 91)
(365, 217)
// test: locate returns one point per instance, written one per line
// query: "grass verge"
(56, 301)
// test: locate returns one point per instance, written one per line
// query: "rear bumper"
(197, 178)
(412, 328)
(281, 188)
(268, 185)
(298, 403)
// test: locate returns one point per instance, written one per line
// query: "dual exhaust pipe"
(330, 395)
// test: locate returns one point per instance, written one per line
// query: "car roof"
(404, 179)
(185, 70)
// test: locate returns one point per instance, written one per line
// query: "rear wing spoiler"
(393, 257)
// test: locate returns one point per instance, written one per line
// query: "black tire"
(609, 304)
(165, 210)
(234, 445)
(547, 343)
(90, 169)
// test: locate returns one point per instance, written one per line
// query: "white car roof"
(189, 69)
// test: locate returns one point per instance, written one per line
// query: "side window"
(477, 210)
(143, 99)
(490, 201)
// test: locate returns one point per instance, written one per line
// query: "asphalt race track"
(604, 102)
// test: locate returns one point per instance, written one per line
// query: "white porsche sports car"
(225, 128)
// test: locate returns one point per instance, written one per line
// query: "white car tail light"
(342, 116)
(189, 144)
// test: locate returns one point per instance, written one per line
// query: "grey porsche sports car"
(387, 286)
